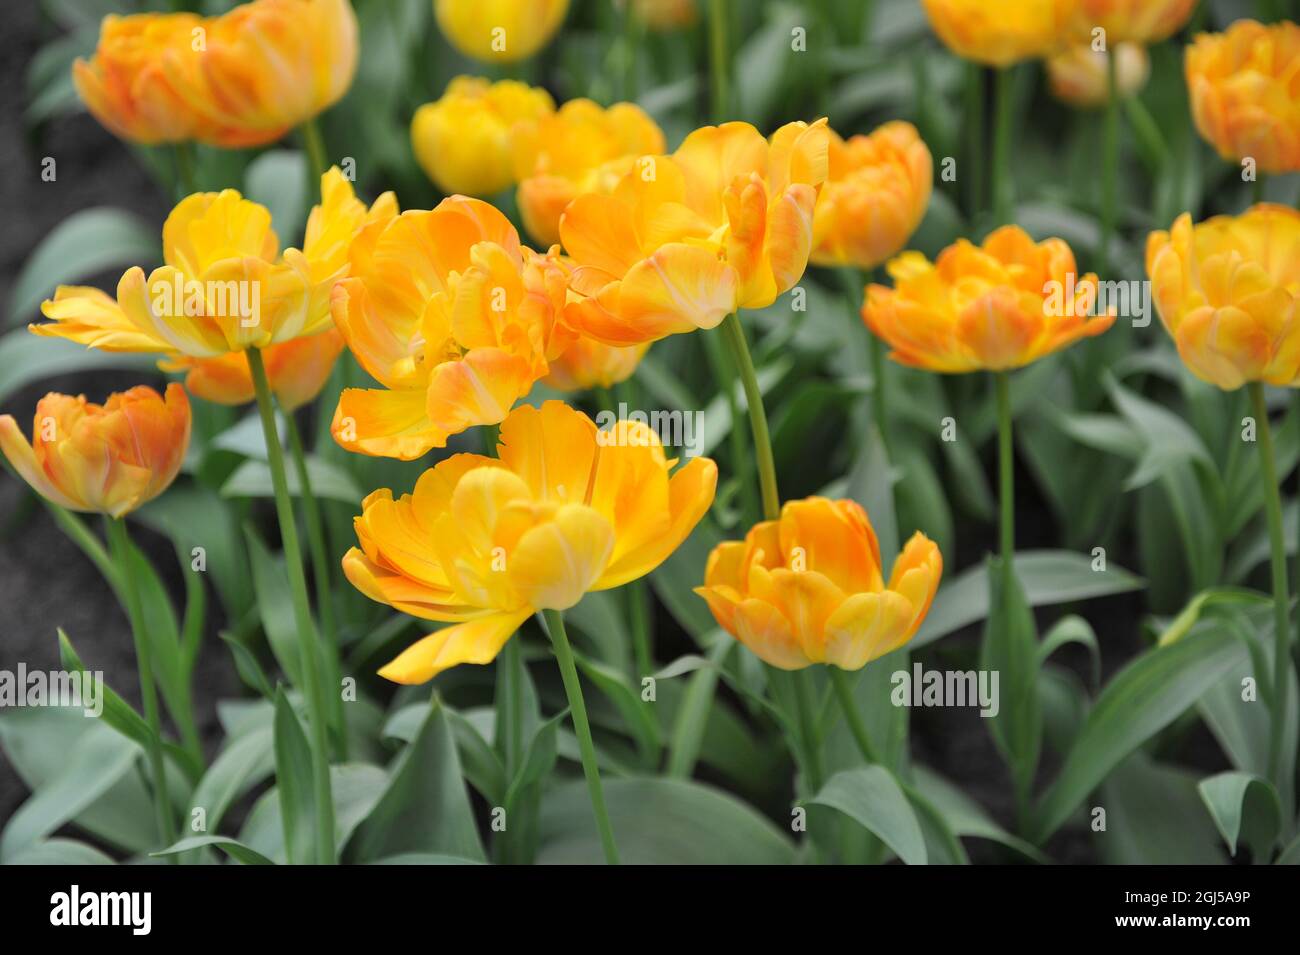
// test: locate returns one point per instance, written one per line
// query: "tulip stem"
(718, 58)
(184, 152)
(1109, 162)
(974, 158)
(324, 589)
(725, 376)
(1006, 465)
(844, 692)
(1281, 598)
(308, 651)
(807, 731)
(735, 336)
(315, 146)
(120, 544)
(590, 769)
(1003, 89)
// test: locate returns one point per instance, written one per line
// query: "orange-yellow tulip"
(587, 363)
(107, 459)
(1135, 21)
(664, 15)
(809, 588)
(1228, 291)
(453, 317)
(484, 543)
(1245, 90)
(225, 286)
(875, 195)
(499, 31)
(999, 34)
(582, 148)
(236, 80)
(994, 307)
(297, 371)
(465, 141)
(1078, 76)
(723, 223)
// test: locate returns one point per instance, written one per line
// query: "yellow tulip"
(464, 141)
(875, 195)
(237, 80)
(1228, 291)
(499, 31)
(665, 15)
(225, 286)
(484, 543)
(1078, 75)
(994, 307)
(582, 148)
(999, 34)
(297, 371)
(809, 588)
(453, 317)
(723, 223)
(1245, 94)
(1135, 21)
(107, 459)
(587, 364)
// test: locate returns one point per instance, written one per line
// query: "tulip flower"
(1228, 291)
(665, 15)
(1242, 84)
(581, 149)
(1078, 75)
(464, 141)
(499, 31)
(105, 459)
(1134, 21)
(999, 34)
(875, 195)
(240, 79)
(809, 588)
(588, 364)
(996, 306)
(684, 240)
(297, 369)
(453, 317)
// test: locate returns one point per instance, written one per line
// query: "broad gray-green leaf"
(27, 358)
(1244, 808)
(871, 796)
(278, 180)
(328, 481)
(293, 778)
(231, 847)
(59, 852)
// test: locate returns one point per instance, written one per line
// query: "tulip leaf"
(871, 797)
(425, 807)
(1213, 597)
(27, 358)
(241, 853)
(1246, 808)
(659, 821)
(1154, 816)
(293, 778)
(82, 245)
(1166, 438)
(1046, 576)
(274, 605)
(328, 481)
(1144, 698)
(638, 715)
(245, 761)
(424, 858)
(278, 180)
(59, 852)
(1010, 648)
(1067, 630)
(964, 816)
(356, 787)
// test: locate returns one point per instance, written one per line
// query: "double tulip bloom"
(454, 317)
(464, 141)
(499, 31)
(683, 240)
(106, 459)
(809, 588)
(1245, 90)
(1134, 21)
(241, 79)
(1228, 291)
(996, 306)
(225, 288)
(484, 543)
(587, 363)
(876, 192)
(999, 34)
(1079, 75)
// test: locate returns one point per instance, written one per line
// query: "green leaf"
(1154, 816)
(231, 847)
(965, 816)
(59, 852)
(1215, 596)
(871, 797)
(1244, 807)
(117, 712)
(27, 358)
(425, 807)
(245, 761)
(1166, 438)
(328, 481)
(638, 716)
(1010, 648)
(278, 180)
(293, 777)
(1144, 698)
(1071, 629)
(659, 822)
(424, 858)
(1046, 577)
(275, 606)
(83, 244)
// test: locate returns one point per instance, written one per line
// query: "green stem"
(631, 43)
(324, 589)
(638, 606)
(120, 545)
(807, 732)
(844, 692)
(1281, 598)
(573, 689)
(1147, 131)
(513, 699)
(718, 59)
(1006, 475)
(1109, 162)
(735, 336)
(1003, 89)
(184, 152)
(308, 652)
(315, 146)
(1257, 188)
(974, 159)
(724, 374)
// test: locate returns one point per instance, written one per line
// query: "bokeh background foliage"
(1118, 448)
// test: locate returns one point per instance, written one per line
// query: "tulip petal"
(866, 627)
(476, 641)
(384, 423)
(558, 561)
